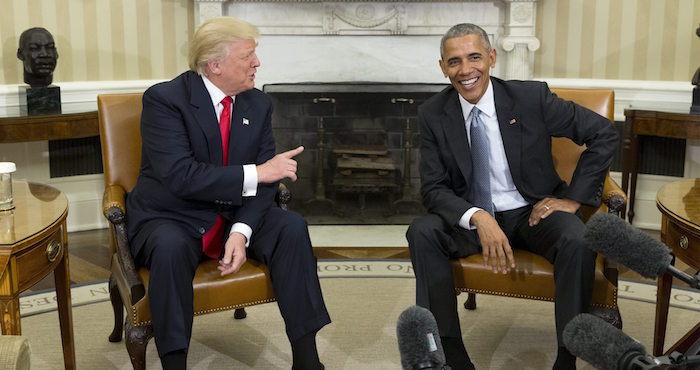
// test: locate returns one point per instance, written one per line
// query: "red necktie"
(212, 240)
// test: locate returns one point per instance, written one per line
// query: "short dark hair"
(464, 29)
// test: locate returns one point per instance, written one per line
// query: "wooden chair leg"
(118, 307)
(611, 315)
(470, 303)
(239, 313)
(137, 338)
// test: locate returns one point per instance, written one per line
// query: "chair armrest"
(613, 196)
(114, 207)
(114, 196)
(283, 197)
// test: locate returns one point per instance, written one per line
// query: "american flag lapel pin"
(512, 121)
(245, 121)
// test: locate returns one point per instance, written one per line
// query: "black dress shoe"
(319, 367)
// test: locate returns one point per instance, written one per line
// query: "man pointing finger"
(281, 166)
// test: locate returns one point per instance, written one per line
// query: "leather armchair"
(119, 122)
(533, 276)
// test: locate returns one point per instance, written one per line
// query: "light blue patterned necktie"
(481, 180)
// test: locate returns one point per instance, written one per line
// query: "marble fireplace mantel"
(392, 41)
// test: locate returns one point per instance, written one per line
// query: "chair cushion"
(249, 286)
(532, 278)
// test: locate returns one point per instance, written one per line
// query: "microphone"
(604, 346)
(623, 243)
(419, 340)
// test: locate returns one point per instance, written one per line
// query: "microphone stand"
(676, 360)
(693, 281)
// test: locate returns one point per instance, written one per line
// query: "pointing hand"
(279, 167)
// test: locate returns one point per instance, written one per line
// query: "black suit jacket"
(182, 177)
(446, 167)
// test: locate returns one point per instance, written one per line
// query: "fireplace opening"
(360, 163)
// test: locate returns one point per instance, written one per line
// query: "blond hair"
(212, 39)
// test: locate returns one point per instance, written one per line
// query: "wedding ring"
(546, 207)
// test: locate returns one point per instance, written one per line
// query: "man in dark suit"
(206, 189)
(488, 182)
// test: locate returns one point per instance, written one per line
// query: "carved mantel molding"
(519, 41)
(509, 23)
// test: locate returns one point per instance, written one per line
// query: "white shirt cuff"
(244, 229)
(464, 222)
(250, 180)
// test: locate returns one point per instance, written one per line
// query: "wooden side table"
(15, 129)
(33, 243)
(679, 203)
(650, 123)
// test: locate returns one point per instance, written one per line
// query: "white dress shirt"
(504, 194)
(250, 175)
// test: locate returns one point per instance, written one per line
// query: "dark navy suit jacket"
(537, 115)
(182, 176)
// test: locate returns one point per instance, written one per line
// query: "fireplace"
(360, 163)
(347, 77)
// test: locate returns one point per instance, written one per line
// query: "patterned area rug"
(642, 291)
(364, 299)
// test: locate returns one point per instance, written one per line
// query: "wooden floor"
(90, 258)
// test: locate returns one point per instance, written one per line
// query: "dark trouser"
(281, 242)
(558, 238)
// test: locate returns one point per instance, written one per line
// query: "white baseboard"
(85, 201)
(85, 192)
(646, 215)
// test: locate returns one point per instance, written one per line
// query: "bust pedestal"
(695, 108)
(40, 100)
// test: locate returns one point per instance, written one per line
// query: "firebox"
(360, 163)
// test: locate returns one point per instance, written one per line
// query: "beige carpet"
(502, 333)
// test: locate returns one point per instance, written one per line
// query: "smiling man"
(489, 185)
(206, 189)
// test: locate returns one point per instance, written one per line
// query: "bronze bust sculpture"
(38, 53)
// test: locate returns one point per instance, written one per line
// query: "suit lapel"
(239, 124)
(456, 133)
(511, 127)
(205, 115)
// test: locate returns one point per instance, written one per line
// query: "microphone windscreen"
(419, 340)
(615, 238)
(599, 343)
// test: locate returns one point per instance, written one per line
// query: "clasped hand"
(234, 254)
